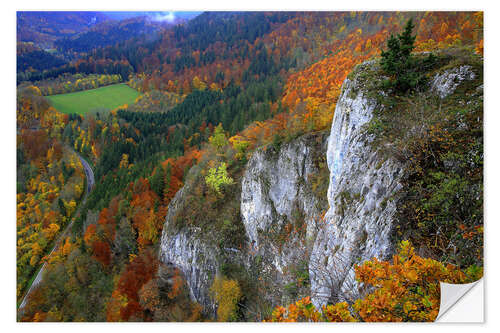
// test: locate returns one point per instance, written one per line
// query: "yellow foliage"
(214, 87)
(78, 189)
(36, 249)
(38, 317)
(67, 247)
(70, 207)
(124, 162)
(240, 145)
(199, 84)
(405, 290)
(51, 231)
(226, 293)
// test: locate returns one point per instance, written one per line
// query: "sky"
(159, 16)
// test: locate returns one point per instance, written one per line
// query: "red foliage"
(101, 252)
(35, 143)
(136, 274)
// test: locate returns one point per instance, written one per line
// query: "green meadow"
(81, 102)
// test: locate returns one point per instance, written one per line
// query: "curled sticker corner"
(451, 294)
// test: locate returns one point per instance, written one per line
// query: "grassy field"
(81, 102)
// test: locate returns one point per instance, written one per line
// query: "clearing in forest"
(81, 102)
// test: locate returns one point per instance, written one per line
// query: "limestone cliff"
(358, 222)
(282, 200)
(186, 250)
(282, 208)
(364, 187)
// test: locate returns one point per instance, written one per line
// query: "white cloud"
(164, 16)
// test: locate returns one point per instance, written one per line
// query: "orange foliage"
(66, 249)
(177, 167)
(479, 47)
(405, 290)
(177, 284)
(144, 219)
(322, 80)
(90, 235)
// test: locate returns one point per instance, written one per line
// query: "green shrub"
(218, 177)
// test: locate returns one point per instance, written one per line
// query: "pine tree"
(157, 181)
(166, 183)
(407, 40)
(398, 62)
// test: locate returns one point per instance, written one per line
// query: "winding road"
(89, 174)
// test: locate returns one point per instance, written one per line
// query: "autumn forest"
(172, 118)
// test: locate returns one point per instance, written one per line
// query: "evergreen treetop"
(398, 62)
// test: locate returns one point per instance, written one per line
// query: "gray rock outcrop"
(445, 83)
(187, 250)
(281, 212)
(358, 223)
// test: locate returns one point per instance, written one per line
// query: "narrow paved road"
(89, 174)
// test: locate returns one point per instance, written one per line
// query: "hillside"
(32, 58)
(48, 40)
(281, 235)
(109, 33)
(44, 28)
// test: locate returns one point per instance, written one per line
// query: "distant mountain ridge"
(43, 28)
(72, 34)
(108, 33)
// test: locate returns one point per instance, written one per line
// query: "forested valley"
(213, 91)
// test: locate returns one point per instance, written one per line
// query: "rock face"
(358, 222)
(362, 191)
(186, 250)
(277, 196)
(445, 83)
(279, 208)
